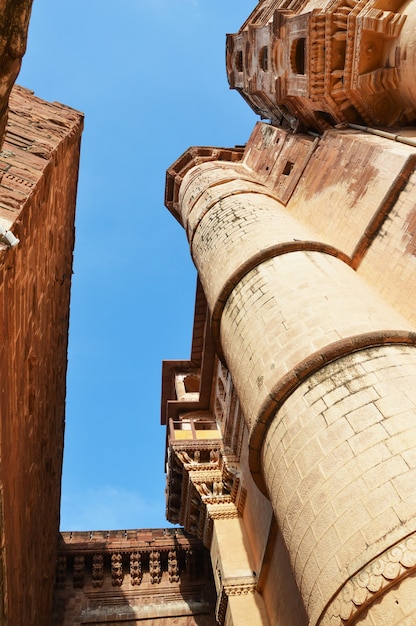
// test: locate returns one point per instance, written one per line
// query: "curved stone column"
(324, 371)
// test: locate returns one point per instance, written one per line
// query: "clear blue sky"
(150, 77)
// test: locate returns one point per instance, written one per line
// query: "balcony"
(193, 429)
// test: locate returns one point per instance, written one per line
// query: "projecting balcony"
(193, 429)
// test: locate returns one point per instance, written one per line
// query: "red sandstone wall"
(38, 168)
(178, 592)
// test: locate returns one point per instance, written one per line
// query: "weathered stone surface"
(163, 577)
(39, 166)
(321, 366)
(317, 64)
(14, 23)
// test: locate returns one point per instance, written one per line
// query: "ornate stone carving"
(173, 569)
(241, 500)
(222, 511)
(221, 608)
(184, 457)
(240, 586)
(135, 568)
(79, 571)
(371, 582)
(116, 570)
(97, 570)
(154, 567)
(206, 476)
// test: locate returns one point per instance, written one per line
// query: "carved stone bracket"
(79, 572)
(97, 570)
(61, 572)
(135, 568)
(200, 483)
(116, 570)
(154, 567)
(173, 569)
(372, 581)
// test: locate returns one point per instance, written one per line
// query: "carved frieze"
(222, 511)
(370, 582)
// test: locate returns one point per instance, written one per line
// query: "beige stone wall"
(339, 460)
(235, 577)
(270, 557)
(390, 262)
(324, 370)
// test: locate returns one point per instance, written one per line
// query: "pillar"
(325, 372)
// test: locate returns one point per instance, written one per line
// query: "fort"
(291, 433)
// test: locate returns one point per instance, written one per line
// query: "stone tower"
(291, 430)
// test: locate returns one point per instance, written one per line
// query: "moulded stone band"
(298, 374)
(246, 267)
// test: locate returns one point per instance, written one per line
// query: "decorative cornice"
(202, 474)
(372, 581)
(222, 511)
(240, 586)
(90, 558)
(189, 159)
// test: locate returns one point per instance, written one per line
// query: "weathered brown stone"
(181, 592)
(35, 278)
(14, 24)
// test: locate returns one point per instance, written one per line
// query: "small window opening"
(191, 383)
(325, 117)
(298, 56)
(288, 168)
(264, 58)
(239, 61)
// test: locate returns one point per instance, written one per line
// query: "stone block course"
(368, 438)
(353, 501)
(360, 419)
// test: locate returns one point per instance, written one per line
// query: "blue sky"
(150, 77)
